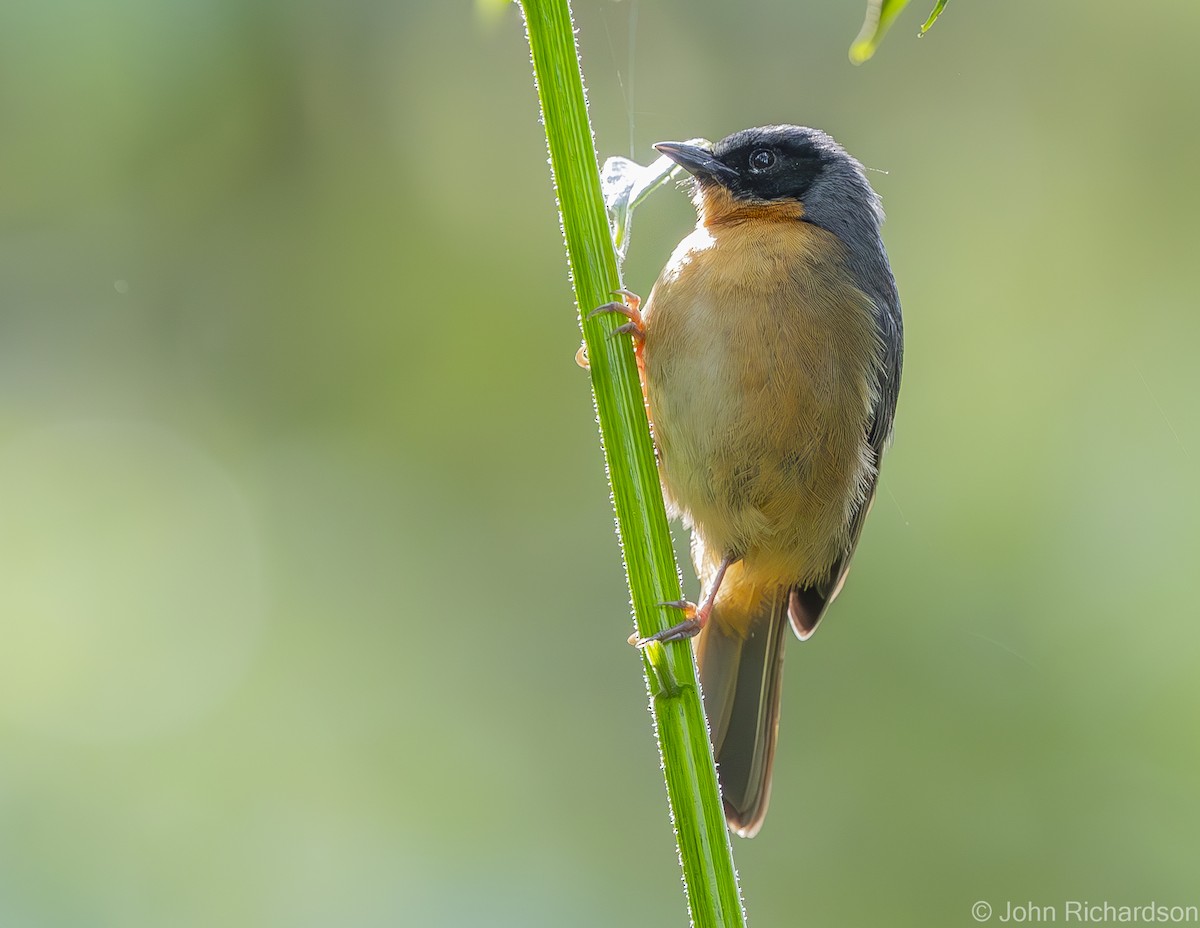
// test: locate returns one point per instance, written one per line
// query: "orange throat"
(717, 206)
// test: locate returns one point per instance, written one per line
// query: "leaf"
(937, 11)
(880, 15)
(879, 18)
(626, 184)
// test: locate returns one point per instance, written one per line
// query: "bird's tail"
(740, 656)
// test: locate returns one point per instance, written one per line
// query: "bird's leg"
(697, 616)
(629, 307)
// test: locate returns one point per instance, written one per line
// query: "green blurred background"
(311, 610)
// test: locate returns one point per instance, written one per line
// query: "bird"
(770, 348)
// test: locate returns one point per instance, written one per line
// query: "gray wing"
(806, 605)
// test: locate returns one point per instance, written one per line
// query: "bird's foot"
(627, 306)
(696, 618)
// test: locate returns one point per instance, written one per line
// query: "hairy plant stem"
(703, 839)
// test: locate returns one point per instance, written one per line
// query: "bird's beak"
(697, 160)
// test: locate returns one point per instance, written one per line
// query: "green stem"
(704, 846)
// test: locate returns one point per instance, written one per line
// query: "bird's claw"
(629, 307)
(689, 628)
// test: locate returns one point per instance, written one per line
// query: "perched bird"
(771, 349)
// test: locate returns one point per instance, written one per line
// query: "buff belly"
(758, 369)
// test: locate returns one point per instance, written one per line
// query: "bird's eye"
(761, 159)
